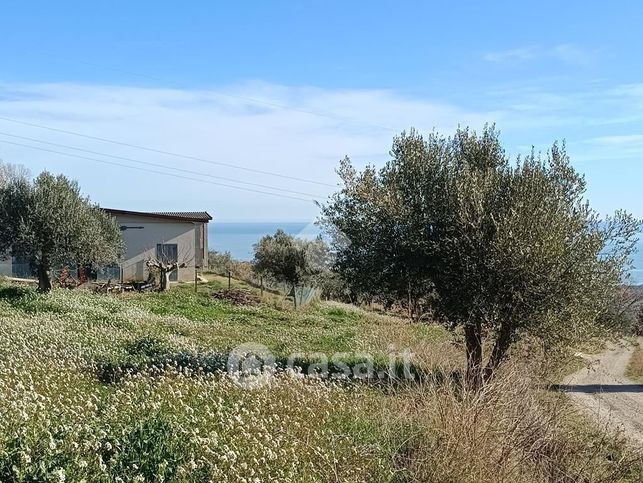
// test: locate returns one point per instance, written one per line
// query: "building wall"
(201, 244)
(191, 239)
(141, 244)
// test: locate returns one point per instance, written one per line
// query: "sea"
(239, 239)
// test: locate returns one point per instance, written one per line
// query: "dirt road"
(605, 392)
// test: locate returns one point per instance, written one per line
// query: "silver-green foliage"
(507, 247)
(11, 172)
(290, 260)
(48, 222)
(220, 262)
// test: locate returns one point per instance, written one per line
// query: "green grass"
(99, 387)
(105, 386)
(321, 327)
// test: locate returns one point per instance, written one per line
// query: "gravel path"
(603, 390)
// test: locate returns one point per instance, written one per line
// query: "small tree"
(47, 222)
(377, 254)
(508, 249)
(12, 172)
(289, 260)
(219, 262)
(165, 265)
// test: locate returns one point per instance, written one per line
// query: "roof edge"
(180, 216)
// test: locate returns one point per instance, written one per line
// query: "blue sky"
(292, 87)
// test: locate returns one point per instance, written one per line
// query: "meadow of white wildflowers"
(59, 422)
(102, 388)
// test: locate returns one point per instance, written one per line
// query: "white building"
(171, 236)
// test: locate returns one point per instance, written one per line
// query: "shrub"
(148, 346)
(219, 263)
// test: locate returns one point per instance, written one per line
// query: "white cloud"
(621, 147)
(566, 53)
(628, 140)
(524, 53)
(571, 54)
(298, 131)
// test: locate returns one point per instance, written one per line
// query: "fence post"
(229, 281)
(261, 284)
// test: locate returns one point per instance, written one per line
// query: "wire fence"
(16, 269)
(301, 295)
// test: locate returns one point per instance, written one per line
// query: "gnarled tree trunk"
(477, 372)
(44, 277)
(473, 342)
(499, 351)
(165, 270)
(165, 276)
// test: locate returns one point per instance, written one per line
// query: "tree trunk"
(473, 341)
(164, 270)
(294, 295)
(499, 351)
(44, 277)
(164, 283)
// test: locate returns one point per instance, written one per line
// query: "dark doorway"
(168, 253)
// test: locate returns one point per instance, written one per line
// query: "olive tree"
(501, 248)
(48, 222)
(12, 172)
(220, 262)
(290, 260)
(165, 264)
(376, 247)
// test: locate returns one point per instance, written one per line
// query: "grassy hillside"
(126, 388)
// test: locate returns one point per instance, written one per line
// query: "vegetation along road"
(604, 390)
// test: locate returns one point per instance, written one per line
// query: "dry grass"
(635, 367)
(513, 430)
